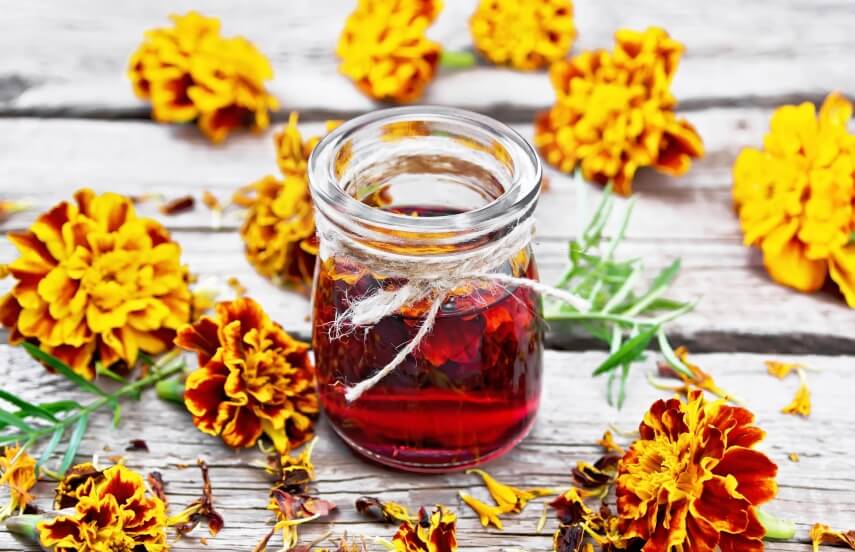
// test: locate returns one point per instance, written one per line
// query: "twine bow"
(430, 279)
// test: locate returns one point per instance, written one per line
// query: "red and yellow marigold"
(692, 481)
(112, 512)
(96, 282)
(253, 378)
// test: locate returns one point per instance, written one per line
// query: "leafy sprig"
(31, 422)
(620, 315)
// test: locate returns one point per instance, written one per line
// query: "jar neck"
(423, 181)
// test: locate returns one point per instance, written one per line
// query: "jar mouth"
(520, 182)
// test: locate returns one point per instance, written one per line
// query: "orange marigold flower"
(18, 473)
(435, 532)
(823, 534)
(190, 72)
(693, 479)
(114, 512)
(253, 378)
(614, 112)
(384, 50)
(279, 230)
(525, 35)
(796, 197)
(96, 282)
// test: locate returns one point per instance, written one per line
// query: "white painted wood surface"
(68, 119)
(573, 416)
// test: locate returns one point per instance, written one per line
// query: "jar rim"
(513, 205)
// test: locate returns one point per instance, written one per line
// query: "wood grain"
(573, 415)
(62, 62)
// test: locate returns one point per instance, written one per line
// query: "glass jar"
(427, 187)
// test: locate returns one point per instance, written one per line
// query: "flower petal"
(754, 472)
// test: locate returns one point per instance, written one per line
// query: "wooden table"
(68, 119)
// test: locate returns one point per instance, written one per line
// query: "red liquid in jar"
(470, 391)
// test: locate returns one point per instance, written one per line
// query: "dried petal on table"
(137, 444)
(487, 513)
(781, 369)
(177, 206)
(608, 443)
(18, 474)
(698, 380)
(794, 197)
(84, 290)
(823, 534)
(508, 498)
(200, 510)
(383, 510)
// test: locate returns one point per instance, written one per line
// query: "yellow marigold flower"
(190, 72)
(292, 152)
(614, 112)
(384, 50)
(796, 197)
(112, 513)
(96, 282)
(18, 473)
(693, 479)
(525, 35)
(279, 230)
(434, 532)
(253, 378)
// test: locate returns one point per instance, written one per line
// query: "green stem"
(25, 525)
(457, 60)
(171, 389)
(159, 372)
(776, 528)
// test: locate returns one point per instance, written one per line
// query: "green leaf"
(61, 406)
(13, 438)
(63, 369)
(27, 407)
(9, 419)
(51, 446)
(629, 351)
(657, 287)
(117, 415)
(145, 358)
(670, 356)
(666, 304)
(102, 370)
(624, 376)
(74, 443)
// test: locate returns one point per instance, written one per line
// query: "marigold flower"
(823, 534)
(253, 378)
(384, 50)
(96, 282)
(796, 197)
(113, 512)
(614, 112)
(292, 152)
(525, 35)
(435, 532)
(279, 230)
(19, 474)
(693, 479)
(190, 72)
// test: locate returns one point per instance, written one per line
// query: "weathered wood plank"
(64, 61)
(740, 308)
(573, 416)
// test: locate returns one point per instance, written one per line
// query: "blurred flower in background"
(524, 35)
(614, 112)
(384, 50)
(190, 72)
